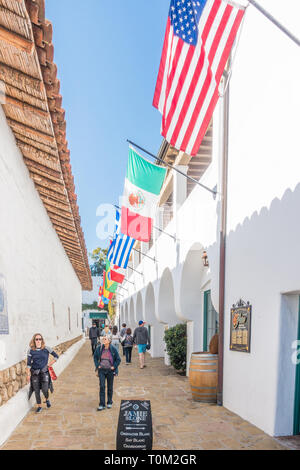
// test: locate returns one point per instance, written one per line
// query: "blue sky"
(108, 54)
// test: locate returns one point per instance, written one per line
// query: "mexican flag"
(143, 183)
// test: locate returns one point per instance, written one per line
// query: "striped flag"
(198, 40)
(120, 247)
(142, 187)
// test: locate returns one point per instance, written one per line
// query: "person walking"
(122, 334)
(94, 334)
(105, 332)
(37, 370)
(107, 360)
(128, 345)
(115, 338)
(142, 342)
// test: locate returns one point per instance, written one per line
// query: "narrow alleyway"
(178, 422)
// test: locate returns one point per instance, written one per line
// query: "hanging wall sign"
(135, 425)
(240, 326)
(3, 308)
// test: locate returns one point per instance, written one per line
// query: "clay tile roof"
(33, 109)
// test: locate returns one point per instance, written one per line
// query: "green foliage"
(99, 257)
(176, 341)
(93, 306)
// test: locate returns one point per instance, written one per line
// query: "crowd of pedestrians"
(105, 346)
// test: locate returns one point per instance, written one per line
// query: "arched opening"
(156, 329)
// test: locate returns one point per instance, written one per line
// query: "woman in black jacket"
(37, 369)
(106, 360)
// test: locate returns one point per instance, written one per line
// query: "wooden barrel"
(203, 376)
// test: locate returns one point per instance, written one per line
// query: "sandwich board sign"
(135, 425)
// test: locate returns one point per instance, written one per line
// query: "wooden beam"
(20, 80)
(43, 170)
(9, 100)
(16, 40)
(23, 128)
(61, 200)
(44, 182)
(38, 146)
(45, 176)
(39, 156)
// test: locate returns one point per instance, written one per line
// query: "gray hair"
(109, 337)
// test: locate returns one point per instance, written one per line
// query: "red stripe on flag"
(219, 73)
(162, 66)
(207, 83)
(194, 80)
(135, 225)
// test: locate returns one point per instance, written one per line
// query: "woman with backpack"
(128, 345)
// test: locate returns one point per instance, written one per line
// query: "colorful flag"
(110, 285)
(198, 40)
(117, 274)
(121, 246)
(143, 183)
(106, 293)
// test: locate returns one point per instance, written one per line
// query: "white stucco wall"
(262, 254)
(263, 228)
(37, 270)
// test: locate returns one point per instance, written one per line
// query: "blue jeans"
(128, 352)
(106, 374)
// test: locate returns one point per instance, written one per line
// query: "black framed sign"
(4, 330)
(240, 326)
(135, 425)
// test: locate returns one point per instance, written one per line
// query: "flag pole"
(126, 280)
(274, 21)
(138, 251)
(120, 287)
(135, 270)
(213, 191)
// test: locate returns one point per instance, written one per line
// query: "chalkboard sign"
(135, 425)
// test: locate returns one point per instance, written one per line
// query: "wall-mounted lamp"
(205, 259)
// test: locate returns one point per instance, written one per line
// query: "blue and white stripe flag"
(121, 246)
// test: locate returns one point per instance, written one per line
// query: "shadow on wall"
(262, 264)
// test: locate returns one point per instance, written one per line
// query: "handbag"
(122, 340)
(148, 346)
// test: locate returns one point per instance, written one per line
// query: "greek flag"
(121, 246)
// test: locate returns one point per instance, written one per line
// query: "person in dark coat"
(107, 360)
(37, 370)
(94, 334)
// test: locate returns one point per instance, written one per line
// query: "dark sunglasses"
(38, 339)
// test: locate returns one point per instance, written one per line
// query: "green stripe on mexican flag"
(143, 184)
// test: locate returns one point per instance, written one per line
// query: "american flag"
(198, 40)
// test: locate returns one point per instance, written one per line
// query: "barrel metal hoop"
(203, 388)
(203, 370)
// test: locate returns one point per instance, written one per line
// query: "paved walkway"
(178, 422)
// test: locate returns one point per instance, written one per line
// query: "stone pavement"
(178, 422)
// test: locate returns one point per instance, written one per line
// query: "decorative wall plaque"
(135, 425)
(240, 326)
(3, 308)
